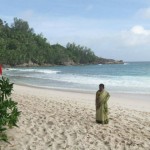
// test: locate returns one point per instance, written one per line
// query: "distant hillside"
(20, 46)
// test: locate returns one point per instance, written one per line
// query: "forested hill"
(19, 45)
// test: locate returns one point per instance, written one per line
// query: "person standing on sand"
(102, 97)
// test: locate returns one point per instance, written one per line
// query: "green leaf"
(9, 113)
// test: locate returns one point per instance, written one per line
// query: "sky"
(117, 29)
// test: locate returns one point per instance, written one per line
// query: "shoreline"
(129, 83)
(129, 100)
(82, 91)
(27, 65)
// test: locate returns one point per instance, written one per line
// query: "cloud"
(140, 30)
(144, 13)
(131, 44)
(136, 37)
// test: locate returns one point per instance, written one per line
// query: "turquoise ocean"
(131, 77)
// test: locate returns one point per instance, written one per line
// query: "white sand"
(57, 120)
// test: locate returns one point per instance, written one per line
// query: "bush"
(8, 109)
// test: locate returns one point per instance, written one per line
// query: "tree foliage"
(8, 108)
(19, 44)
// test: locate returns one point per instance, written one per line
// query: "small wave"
(48, 71)
(126, 64)
(36, 70)
(100, 64)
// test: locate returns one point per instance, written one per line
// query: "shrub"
(8, 108)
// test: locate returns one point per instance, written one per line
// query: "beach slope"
(60, 120)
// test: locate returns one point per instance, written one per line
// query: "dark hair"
(101, 85)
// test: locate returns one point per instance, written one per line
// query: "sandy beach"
(57, 120)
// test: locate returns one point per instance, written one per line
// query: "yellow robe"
(102, 107)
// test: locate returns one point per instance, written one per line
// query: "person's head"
(101, 87)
